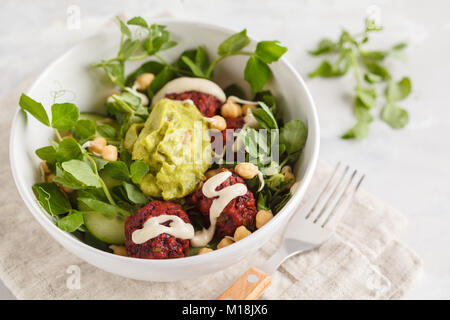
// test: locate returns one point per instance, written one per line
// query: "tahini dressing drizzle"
(153, 228)
(180, 229)
(225, 195)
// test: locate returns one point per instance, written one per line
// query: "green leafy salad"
(176, 166)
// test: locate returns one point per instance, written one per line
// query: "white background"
(409, 169)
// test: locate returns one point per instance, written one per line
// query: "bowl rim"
(313, 131)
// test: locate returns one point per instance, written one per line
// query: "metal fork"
(308, 229)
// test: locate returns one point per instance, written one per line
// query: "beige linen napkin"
(363, 260)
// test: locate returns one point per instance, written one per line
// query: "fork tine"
(340, 189)
(334, 195)
(316, 202)
(342, 198)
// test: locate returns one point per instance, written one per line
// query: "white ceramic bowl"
(73, 72)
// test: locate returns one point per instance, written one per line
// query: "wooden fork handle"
(250, 286)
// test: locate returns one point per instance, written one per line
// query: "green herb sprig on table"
(150, 40)
(373, 80)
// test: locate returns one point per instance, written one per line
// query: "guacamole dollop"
(176, 144)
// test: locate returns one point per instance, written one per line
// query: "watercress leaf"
(256, 73)
(71, 222)
(35, 108)
(367, 97)
(234, 90)
(138, 21)
(107, 131)
(117, 170)
(262, 202)
(159, 38)
(378, 70)
(115, 72)
(51, 198)
(191, 54)
(130, 47)
(124, 28)
(346, 38)
(399, 46)
(395, 116)
(64, 115)
(68, 149)
(400, 90)
(373, 56)
(100, 163)
(103, 207)
(361, 112)
(293, 135)
(275, 181)
(359, 131)
(265, 117)
(82, 172)
(325, 70)
(324, 46)
(196, 70)
(167, 45)
(134, 194)
(250, 138)
(138, 170)
(269, 51)
(67, 180)
(85, 128)
(234, 43)
(47, 153)
(201, 59)
(148, 67)
(160, 80)
(372, 78)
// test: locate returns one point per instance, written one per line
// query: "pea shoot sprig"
(150, 40)
(373, 80)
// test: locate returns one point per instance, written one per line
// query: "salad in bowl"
(175, 165)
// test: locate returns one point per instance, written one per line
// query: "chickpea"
(143, 81)
(294, 187)
(110, 153)
(68, 136)
(119, 250)
(245, 108)
(231, 110)
(97, 145)
(218, 123)
(50, 177)
(45, 167)
(246, 170)
(262, 217)
(211, 173)
(241, 232)
(66, 189)
(224, 243)
(110, 99)
(205, 250)
(288, 175)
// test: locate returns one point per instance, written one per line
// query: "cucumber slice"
(105, 228)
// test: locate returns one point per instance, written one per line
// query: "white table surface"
(410, 168)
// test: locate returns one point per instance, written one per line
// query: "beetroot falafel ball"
(163, 246)
(240, 211)
(207, 104)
